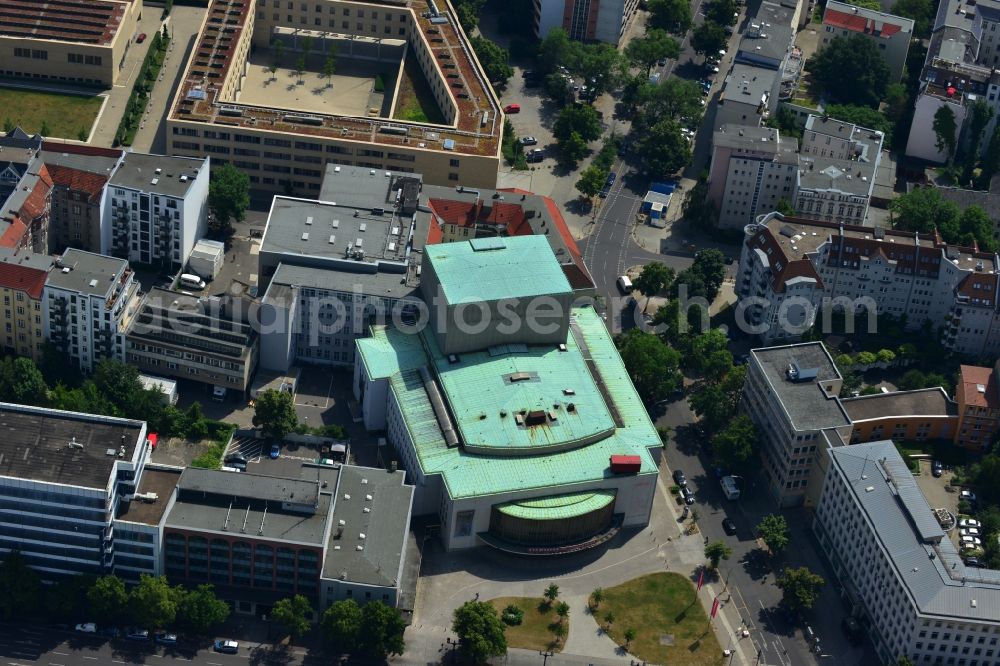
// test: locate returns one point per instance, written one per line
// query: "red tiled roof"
(791, 267)
(434, 233)
(34, 205)
(22, 278)
(859, 23)
(981, 286)
(15, 234)
(77, 180)
(77, 149)
(466, 214)
(974, 376)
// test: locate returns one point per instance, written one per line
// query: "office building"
(900, 572)
(158, 209)
(64, 478)
(72, 41)
(217, 111)
(890, 33)
(22, 284)
(207, 340)
(510, 433)
(585, 20)
(89, 302)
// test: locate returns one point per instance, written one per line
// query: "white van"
(625, 284)
(218, 393)
(192, 281)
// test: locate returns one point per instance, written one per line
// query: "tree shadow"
(271, 655)
(757, 564)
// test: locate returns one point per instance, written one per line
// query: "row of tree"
(925, 211)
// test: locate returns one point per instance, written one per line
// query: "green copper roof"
(557, 507)
(499, 470)
(384, 358)
(514, 267)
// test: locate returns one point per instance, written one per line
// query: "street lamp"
(545, 656)
(452, 644)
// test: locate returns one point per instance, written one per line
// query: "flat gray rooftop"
(807, 406)
(358, 187)
(36, 445)
(386, 285)
(160, 482)
(748, 83)
(138, 171)
(925, 402)
(89, 273)
(385, 526)
(98, 164)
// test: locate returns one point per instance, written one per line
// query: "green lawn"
(533, 633)
(416, 101)
(661, 606)
(65, 115)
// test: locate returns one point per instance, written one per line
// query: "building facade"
(978, 398)
(89, 302)
(891, 34)
(158, 209)
(585, 20)
(22, 286)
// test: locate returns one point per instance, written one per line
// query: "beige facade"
(22, 282)
(286, 150)
(76, 41)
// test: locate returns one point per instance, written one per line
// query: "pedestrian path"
(586, 637)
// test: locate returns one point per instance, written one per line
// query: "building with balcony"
(507, 418)
(64, 477)
(585, 20)
(206, 340)
(22, 284)
(158, 209)
(898, 570)
(90, 299)
(890, 33)
(978, 398)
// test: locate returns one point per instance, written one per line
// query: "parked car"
(528, 141)
(136, 634)
(679, 478)
(512, 108)
(969, 522)
(728, 526)
(623, 149)
(969, 531)
(604, 193)
(688, 495)
(971, 541)
(226, 645)
(87, 627)
(967, 496)
(611, 179)
(535, 155)
(110, 632)
(972, 562)
(141, 38)
(662, 62)
(236, 459)
(275, 451)
(937, 469)
(529, 74)
(163, 638)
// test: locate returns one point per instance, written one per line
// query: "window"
(452, 176)
(453, 162)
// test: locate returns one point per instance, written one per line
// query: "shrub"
(512, 615)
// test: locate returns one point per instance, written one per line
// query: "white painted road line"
(52, 663)
(213, 663)
(93, 658)
(118, 661)
(62, 654)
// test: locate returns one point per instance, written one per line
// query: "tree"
(609, 618)
(45, 130)
(152, 604)
(562, 610)
(293, 613)
(945, 131)
(341, 623)
(924, 210)
(468, 13)
(785, 207)
(673, 99)
(651, 365)
(717, 403)
(736, 444)
(591, 181)
(582, 120)
(572, 149)
(885, 356)
(709, 268)
(800, 588)
(274, 413)
(66, 599)
(715, 551)
(330, 67)
(558, 89)
(851, 70)
(866, 358)
(773, 529)
(655, 45)
(381, 630)
(864, 116)
(480, 631)
(272, 68)
(556, 50)
(20, 588)
(674, 16)
(551, 593)
(596, 597)
(494, 59)
(980, 115)
(22, 382)
(697, 208)
(601, 66)
(279, 51)
(709, 355)
(199, 610)
(709, 37)
(629, 635)
(300, 67)
(307, 45)
(228, 197)
(655, 278)
(662, 150)
(922, 13)
(974, 225)
(108, 599)
(991, 159)
(723, 12)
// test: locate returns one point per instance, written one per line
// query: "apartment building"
(978, 396)
(890, 33)
(25, 192)
(791, 394)
(585, 20)
(74, 41)
(899, 571)
(79, 176)
(285, 150)
(925, 414)
(866, 270)
(955, 86)
(22, 284)
(158, 209)
(749, 95)
(207, 340)
(752, 169)
(64, 477)
(89, 302)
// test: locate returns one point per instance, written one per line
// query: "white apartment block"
(854, 268)
(156, 208)
(900, 571)
(791, 395)
(584, 20)
(890, 33)
(752, 168)
(89, 301)
(831, 177)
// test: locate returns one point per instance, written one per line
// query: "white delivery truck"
(729, 488)
(206, 258)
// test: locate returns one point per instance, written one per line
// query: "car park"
(226, 645)
(163, 638)
(728, 526)
(937, 469)
(688, 495)
(528, 141)
(275, 451)
(136, 634)
(969, 522)
(87, 628)
(679, 478)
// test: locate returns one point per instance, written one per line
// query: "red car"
(141, 38)
(512, 108)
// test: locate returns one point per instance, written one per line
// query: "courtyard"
(63, 115)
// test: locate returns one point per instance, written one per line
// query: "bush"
(512, 615)
(866, 358)
(379, 85)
